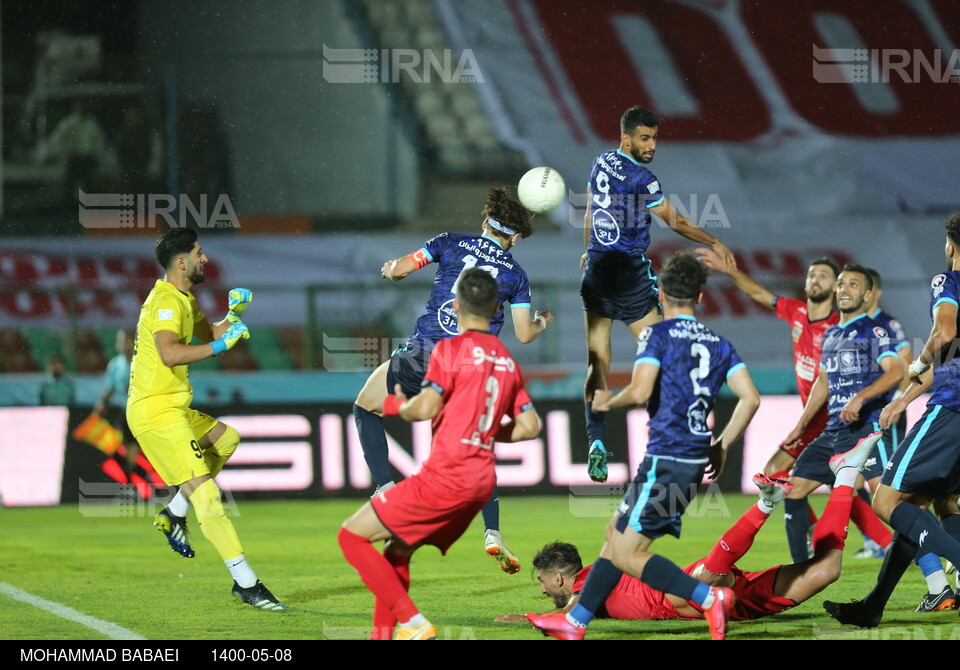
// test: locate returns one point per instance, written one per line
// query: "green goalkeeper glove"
(230, 338)
(237, 302)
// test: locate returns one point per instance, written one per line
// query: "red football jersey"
(807, 341)
(480, 383)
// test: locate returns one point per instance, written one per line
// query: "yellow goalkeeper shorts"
(174, 450)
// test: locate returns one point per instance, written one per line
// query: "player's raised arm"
(172, 353)
(404, 266)
(684, 226)
(758, 293)
(527, 329)
(748, 402)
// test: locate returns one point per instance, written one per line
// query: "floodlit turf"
(118, 569)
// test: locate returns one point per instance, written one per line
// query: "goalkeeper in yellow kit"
(188, 448)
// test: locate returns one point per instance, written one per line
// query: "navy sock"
(925, 531)
(595, 426)
(796, 515)
(663, 575)
(896, 561)
(374, 443)
(951, 526)
(600, 582)
(491, 512)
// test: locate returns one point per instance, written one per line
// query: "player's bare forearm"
(399, 268)
(754, 290)
(642, 383)
(906, 358)
(741, 383)
(942, 334)
(527, 329)
(424, 405)
(891, 376)
(526, 426)
(816, 400)
(172, 353)
(218, 329)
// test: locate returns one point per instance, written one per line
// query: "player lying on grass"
(758, 594)
(471, 384)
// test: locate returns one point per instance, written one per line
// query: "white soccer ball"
(541, 190)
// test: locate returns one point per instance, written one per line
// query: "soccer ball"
(541, 190)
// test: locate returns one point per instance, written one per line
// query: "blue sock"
(595, 426)
(928, 563)
(374, 443)
(663, 575)
(600, 582)
(895, 562)
(491, 512)
(796, 515)
(925, 531)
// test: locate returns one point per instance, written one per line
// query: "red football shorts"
(754, 593)
(418, 513)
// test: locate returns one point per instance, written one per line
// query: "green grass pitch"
(118, 569)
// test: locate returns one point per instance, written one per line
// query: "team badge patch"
(165, 315)
(937, 285)
(880, 332)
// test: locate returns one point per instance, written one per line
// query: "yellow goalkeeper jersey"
(159, 393)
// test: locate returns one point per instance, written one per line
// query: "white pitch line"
(111, 630)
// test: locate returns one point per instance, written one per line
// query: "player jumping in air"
(618, 281)
(757, 594)
(680, 367)
(505, 221)
(925, 469)
(472, 382)
(186, 447)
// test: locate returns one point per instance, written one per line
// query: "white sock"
(415, 621)
(574, 622)
(241, 571)
(847, 477)
(709, 600)
(936, 582)
(765, 508)
(180, 505)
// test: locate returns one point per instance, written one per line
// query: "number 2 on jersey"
(699, 373)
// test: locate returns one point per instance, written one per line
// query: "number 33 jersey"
(694, 363)
(455, 253)
(480, 383)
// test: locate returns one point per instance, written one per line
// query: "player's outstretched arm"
(527, 329)
(400, 268)
(942, 334)
(741, 383)
(684, 226)
(892, 374)
(755, 291)
(641, 387)
(173, 353)
(819, 393)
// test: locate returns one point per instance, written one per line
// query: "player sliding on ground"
(505, 222)
(758, 594)
(471, 384)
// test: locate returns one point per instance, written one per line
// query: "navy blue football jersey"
(694, 363)
(946, 377)
(454, 253)
(851, 358)
(893, 327)
(621, 193)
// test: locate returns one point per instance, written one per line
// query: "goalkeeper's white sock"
(241, 571)
(417, 620)
(180, 505)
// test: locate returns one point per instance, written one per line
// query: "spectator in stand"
(57, 389)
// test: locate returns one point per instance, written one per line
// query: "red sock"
(114, 471)
(384, 620)
(831, 531)
(869, 523)
(377, 573)
(735, 542)
(813, 515)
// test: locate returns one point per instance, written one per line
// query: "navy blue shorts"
(814, 462)
(619, 286)
(408, 367)
(659, 495)
(928, 460)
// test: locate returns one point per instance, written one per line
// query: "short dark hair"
(823, 260)
(174, 242)
(637, 116)
(854, 267)
(559, 557)
(477, 292)
(953, 228)
(875, 278)
(683, 277)
(505, 210)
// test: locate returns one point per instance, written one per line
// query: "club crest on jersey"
(797, 331)
(937, 285)
(880, 332)
(643, 338)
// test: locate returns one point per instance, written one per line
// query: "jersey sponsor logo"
(605, 228)
(653, 186)
(805, 369)
(500, 363)
(447, 318)
(165, 315)
(937, 285)
(697, 417)
(849, 362)
(880, 332)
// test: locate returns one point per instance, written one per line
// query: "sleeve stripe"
(434, 385)
(885, 354)
(738, 366)
(654, 204)
(520, 305)
(950, 300)
(526, 406)
(648, 359)
(427, 253)
(902, 345)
